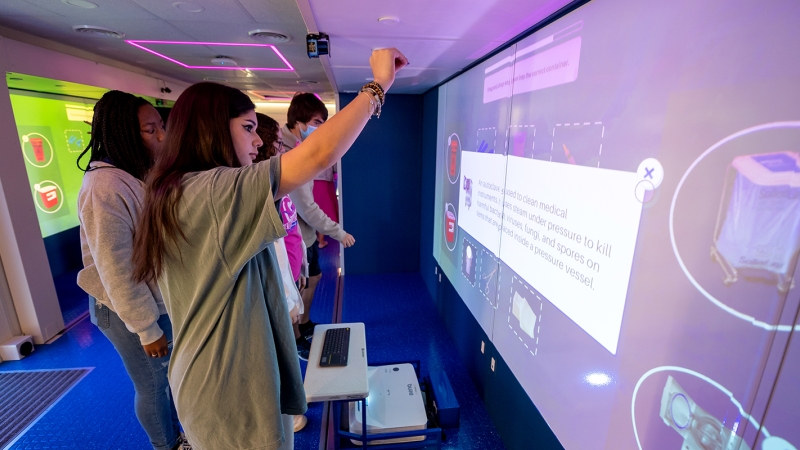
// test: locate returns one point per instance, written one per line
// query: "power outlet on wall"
(483, 347)
(492, 364)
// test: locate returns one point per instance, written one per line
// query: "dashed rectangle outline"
(533, 293)
(497, 263)
(464, 262)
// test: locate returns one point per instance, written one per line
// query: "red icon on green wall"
(48, 197)
(37, 149)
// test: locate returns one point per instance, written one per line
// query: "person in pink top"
(269, 131)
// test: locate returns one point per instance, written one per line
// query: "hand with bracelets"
(385, 63)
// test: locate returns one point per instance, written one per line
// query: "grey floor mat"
(26, 395)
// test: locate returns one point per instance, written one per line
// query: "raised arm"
(332, 139)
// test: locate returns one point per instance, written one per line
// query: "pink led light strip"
(138, 44)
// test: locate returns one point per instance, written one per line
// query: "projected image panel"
(649, 213)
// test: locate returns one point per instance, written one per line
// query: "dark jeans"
(153, 402)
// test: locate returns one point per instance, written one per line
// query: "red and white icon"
(40, 148)
(450, 226)
(50, 196)
(453, 157)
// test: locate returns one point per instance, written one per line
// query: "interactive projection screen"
(618, 205)
(53, 131)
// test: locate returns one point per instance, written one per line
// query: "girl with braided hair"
(126, 135)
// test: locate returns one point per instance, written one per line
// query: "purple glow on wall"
(139, 44)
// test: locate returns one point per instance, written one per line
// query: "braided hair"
(116, 138)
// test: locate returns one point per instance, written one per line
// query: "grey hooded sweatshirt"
(109, 203)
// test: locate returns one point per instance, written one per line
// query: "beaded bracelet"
(378, 90)
(373, 97)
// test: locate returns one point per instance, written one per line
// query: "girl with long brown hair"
(127, 134)
(206, 236)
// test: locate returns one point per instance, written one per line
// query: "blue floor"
(402, 324)
(321, 312)
(98, 412)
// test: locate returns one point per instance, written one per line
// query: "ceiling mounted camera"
(317, 45)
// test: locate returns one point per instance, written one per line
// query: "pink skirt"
(325, 197)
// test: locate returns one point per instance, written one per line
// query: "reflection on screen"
(618, 205)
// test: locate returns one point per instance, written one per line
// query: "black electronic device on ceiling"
(317, 45)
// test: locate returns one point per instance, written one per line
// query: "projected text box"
(570, 231)
(480, 197)
(552, 67)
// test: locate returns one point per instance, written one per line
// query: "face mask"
(304, 134)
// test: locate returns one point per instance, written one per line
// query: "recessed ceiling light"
(306, 82)
(389, 20)
(80, 4)
(215, 79)
(269, 35)
(97, 31)
(187, 7)
(224, 61)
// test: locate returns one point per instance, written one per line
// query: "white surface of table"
(338, 383)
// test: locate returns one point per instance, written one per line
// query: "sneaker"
(299, 422)
(183, 443)
(307, 329)
(303, 348)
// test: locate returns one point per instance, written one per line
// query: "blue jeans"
(153, 402)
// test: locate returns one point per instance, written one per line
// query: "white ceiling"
(439, 37)
(220, 21)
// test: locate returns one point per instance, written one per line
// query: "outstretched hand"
(385, 63)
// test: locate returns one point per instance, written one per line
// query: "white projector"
(394, 404)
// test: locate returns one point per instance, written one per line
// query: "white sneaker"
(299, 422)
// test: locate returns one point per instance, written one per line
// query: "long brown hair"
(199, 138)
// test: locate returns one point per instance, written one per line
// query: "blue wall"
(381, 193)
(427, 264)
(516, 418)
(64, 251)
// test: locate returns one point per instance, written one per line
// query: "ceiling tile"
(271, 11)
(10, 8)
(217, 11)
(438, 54)
(235, 32)
(107, 9)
